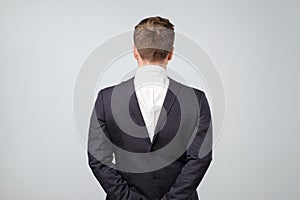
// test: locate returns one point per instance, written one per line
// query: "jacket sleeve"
(100, 156)
(199, 156)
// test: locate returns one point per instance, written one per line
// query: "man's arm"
(100, 156)
(199, 155)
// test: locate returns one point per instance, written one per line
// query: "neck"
(142, 63)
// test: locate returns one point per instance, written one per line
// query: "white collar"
(151, 74)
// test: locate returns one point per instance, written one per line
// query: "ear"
(135, 52)
(170, 55)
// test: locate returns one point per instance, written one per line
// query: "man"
(158, 130)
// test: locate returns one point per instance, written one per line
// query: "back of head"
(154, 38)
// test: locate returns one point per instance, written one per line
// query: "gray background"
(253, 44)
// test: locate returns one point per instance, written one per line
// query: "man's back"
(167, 168)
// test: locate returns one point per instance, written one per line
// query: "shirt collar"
(151, 67)
(150, 73)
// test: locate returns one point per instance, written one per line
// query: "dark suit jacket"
(172, 166)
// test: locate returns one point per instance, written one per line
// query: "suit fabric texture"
(172, 166)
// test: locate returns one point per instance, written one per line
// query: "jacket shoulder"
(108, 89)
(197, 91)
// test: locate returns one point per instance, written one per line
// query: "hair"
(154, 38)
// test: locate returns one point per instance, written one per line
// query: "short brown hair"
(154, 38)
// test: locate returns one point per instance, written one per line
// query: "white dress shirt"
(151, 84)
